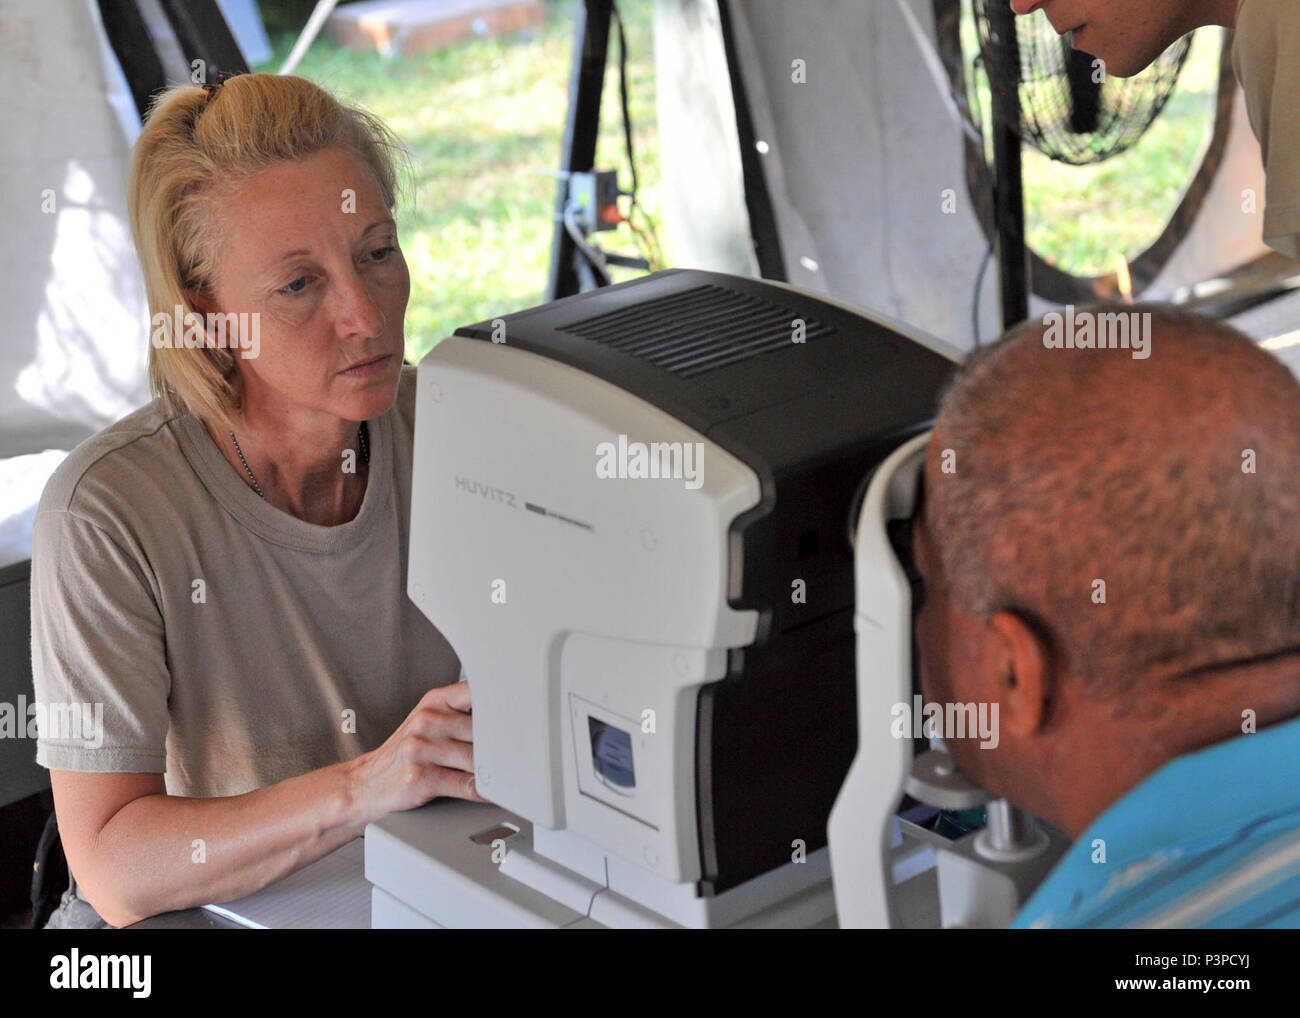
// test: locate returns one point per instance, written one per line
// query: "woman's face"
(309, 245)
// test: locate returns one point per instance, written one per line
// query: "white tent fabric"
(706, 225)
(75, 356)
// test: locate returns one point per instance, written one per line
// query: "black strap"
(50, 876)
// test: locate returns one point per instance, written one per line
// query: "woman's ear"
(1025, 683)
(198, 302)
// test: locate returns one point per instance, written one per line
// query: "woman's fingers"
(455, 696)
(440, 753)
(436, 722)
(459, 786)
(448, 767)
(430, 755)
(458, 696)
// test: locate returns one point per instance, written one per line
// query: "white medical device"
(629, 515)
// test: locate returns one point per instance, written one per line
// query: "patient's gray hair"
(1079, 465)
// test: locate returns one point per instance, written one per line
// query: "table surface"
(186, 919)
(330, 893)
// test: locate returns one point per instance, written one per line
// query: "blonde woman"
(222, 573)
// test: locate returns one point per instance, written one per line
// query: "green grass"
(483, 122)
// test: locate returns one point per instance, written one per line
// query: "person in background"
(1127, 35)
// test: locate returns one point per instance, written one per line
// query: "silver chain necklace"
(363, 439)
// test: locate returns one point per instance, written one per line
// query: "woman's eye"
(297, 286)
(382, 253)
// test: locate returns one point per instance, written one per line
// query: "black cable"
(975, 303)
(622, 88)
(589, 254)
(976, 121)
(634, 203)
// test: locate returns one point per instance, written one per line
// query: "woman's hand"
(136, 850)
(430, 754)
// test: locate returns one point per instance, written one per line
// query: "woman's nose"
(359, 313)
(1026, 6)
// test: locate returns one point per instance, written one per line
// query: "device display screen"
(611, 754)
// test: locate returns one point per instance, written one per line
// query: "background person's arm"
(132, 847)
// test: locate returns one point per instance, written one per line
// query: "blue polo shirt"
(1211, 840)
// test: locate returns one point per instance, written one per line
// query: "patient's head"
(1111, 552)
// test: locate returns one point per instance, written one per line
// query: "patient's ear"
(1022, 680)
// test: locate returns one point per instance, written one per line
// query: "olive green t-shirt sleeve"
(1266, 55)
(98, 654)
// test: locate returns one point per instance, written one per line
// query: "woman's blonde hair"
(197, 142)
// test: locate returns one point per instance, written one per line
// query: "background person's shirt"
(231, 644)
(1266, 56)
(1211, 840)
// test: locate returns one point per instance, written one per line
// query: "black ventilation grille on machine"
(698, 330)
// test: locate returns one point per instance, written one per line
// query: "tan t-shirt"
(1266, 55)
(231, 644)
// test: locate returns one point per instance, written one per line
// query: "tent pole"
(765, 235)
(128, 35)
(202, 31)
(1008, 187)
(581, 127)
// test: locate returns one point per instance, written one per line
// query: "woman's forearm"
(137, 851)
(159, 853)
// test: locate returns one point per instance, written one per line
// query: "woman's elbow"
(116, 905)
